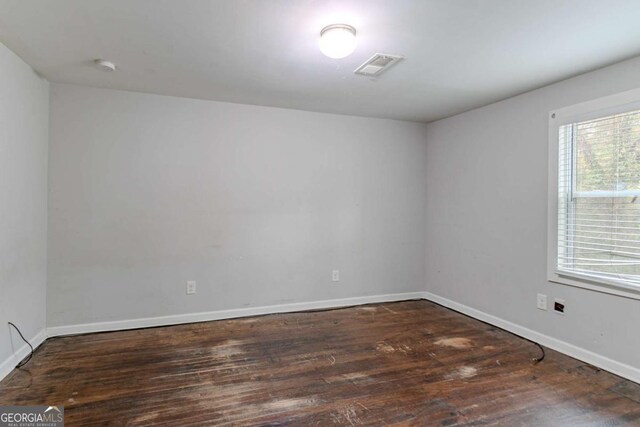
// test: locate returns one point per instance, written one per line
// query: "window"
(597, 197)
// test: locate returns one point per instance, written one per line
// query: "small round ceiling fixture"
(105, 65)
(338, 40)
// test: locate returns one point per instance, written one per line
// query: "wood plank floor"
(406, 363)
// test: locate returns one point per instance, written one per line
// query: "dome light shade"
(338, 40)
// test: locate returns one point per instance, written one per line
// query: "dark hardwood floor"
(406, 363)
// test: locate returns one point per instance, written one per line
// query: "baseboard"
(10, 362)
(621, 369)
(225, 314)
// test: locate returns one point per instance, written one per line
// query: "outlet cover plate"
(542, 302)
(191, 287)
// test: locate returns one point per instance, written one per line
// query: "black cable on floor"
(24, 362)
(536, 360)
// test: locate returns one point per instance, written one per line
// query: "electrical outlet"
(335, 276)
(558, 306)
(191, 287)
(542, 302)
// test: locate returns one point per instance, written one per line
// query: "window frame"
(609, 105)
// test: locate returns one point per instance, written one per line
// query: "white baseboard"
(225, 314)
(579, 353)
(10, 362)
(621, 369)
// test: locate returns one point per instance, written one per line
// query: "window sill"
(585, 282)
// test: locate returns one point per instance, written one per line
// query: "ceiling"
(460, 54)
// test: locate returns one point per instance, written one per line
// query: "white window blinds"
(599, 199)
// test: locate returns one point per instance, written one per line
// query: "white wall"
(487, 218)
(24, 127)
(256, 204)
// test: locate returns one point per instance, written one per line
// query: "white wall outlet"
(191, 287)
(558, 306)
(542, 302)
(335, 276)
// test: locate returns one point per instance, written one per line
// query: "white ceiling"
(460, 53)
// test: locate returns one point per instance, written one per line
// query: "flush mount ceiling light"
(105, 65)
(338, 40)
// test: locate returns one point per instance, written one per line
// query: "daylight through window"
(599, 199)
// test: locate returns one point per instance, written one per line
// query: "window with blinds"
(599, 199)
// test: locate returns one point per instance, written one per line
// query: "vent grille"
(377, 64)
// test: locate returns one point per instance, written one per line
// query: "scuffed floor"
(405, 363)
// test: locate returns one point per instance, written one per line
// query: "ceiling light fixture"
(105, 65)
(338, 40)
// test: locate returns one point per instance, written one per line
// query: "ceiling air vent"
(377, 64)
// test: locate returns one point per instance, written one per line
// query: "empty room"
(319, 212)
